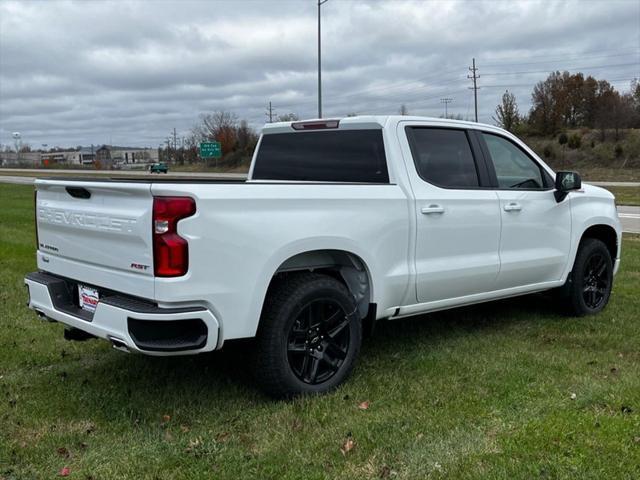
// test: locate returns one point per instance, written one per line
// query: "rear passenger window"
(329, 156)
(443, 157)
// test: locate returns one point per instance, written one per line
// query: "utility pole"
(320, 2)
(446, 102)
(175, 144)
(270, 113)
(475, 87)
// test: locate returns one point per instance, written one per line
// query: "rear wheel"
(588, 287)
(309, 336)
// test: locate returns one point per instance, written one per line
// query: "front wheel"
(309, 336)
(588, 287)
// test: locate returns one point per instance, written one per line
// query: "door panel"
(536, 230)
(456, 250)
(535, 237)
(457, 220)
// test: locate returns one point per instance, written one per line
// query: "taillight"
(170, 250)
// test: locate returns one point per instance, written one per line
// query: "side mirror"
(566, 182)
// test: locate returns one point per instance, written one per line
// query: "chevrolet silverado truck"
(340, 223)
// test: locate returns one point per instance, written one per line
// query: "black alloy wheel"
(588, 287)
(596, 281)
(309, 336)
(318, 341)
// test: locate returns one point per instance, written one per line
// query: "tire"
(309, 336)
(588, 286)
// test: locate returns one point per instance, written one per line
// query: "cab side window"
(514, 168)
(443, 157)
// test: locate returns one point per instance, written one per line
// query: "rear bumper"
(129, 323)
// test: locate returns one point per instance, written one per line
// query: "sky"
(129, 72)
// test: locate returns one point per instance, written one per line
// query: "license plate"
(88, 298)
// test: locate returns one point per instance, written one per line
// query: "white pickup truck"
(340, 223)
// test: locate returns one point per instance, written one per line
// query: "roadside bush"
(603, 153)
(618, 151)
(562, 138)
(574, 141)
(547, 151)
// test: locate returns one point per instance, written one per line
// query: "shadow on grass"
(112, 385)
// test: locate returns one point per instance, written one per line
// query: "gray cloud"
(128, 72)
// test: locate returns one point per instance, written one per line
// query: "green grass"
(482, 392)
(626, 195)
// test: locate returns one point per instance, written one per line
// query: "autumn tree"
(218, 126)
(507, 115)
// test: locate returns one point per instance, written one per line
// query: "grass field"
(626, 195)
(503, 390)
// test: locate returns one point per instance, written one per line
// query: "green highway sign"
(210, 150)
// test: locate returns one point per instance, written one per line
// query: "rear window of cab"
(352, 156)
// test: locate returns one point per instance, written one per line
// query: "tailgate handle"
(78, 192)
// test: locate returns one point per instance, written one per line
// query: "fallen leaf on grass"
(347, 446)
(222, 437)
(63, 452)
(364, 405)
(636, 439)
(166, 418)
(64, 472)
(184, 428)
(195, 443)
(573, 396)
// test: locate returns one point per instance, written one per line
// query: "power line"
(474, 77)
(564, 59)
(633, 49)
(592, 67)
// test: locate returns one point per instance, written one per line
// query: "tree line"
(237, 139)
(564, 101)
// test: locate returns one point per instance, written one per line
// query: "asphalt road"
(629, 216)
(630, 219)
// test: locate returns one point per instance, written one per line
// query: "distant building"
(83, 156)
(103, 156)
(106, 156)
(22, 159)
(120, 156)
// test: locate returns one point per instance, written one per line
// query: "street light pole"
(320, 2)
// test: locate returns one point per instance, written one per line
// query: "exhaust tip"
(119, 345)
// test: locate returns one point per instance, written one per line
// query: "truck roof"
(369, 121)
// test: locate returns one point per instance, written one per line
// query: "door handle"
(512, 207)
(433, 208)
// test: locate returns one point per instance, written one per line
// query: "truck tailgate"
(97, 232)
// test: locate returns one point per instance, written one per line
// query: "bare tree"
(216, 124)
(403, 110)
(288, 117)
(507, 115)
